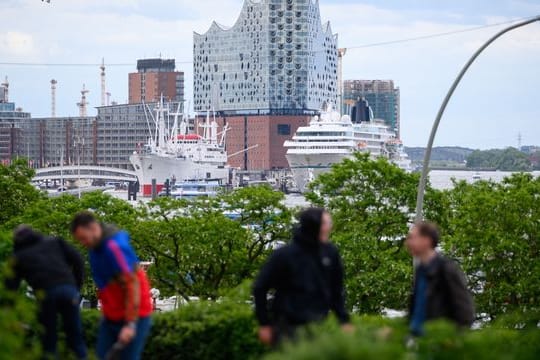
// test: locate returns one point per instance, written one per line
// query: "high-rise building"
(12, 143)
(276, 59)
(56, 141)
(156, 77)
(122, 129)
(265, 76)
(381, 95)
(107, 139)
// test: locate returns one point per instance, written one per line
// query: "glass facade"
(11, 136)
(382, 96)
(278, 58)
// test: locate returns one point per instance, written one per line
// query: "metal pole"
(62, 168)
(427, 156)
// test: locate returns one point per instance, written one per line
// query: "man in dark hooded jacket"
(307, 276)
(54, 270)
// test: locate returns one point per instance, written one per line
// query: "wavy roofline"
(326, 26)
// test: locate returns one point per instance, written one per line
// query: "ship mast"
(213, 129)
(161, 141)
(174, 131)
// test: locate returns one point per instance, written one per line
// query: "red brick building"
(153, 78)
(263, 135)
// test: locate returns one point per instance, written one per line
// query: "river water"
(440, 179)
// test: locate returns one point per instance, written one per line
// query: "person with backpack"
(307, 277)
(54, 270)
(439, 286)
(123, 288)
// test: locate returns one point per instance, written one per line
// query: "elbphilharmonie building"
(277, 59)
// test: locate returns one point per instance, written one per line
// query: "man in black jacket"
(54, 270)
(439, 288)
(307, 277)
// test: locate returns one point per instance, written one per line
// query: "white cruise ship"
(329, 138)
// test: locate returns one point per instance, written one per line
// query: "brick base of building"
(263, 135)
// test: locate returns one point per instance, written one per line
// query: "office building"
(11, 136)
(56, 141)
(122, 129)
(156, 77)
(381, 95)
(265, 76)
(107, 139)
(10, 142)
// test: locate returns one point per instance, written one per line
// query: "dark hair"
(84, 218)
(24, 236)
(430, 230)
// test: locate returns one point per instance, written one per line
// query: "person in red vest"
(123, 288)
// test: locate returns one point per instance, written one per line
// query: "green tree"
(261, 211)
(372, 203)
(494, 231)
(52, 216)
(203, 247)
(509, 159)
(16, 191)
(193, 254)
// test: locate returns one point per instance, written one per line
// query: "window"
(284, 129)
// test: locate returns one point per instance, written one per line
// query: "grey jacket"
(447, 294)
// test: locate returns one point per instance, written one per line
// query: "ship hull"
(307, 167)
(150, 166)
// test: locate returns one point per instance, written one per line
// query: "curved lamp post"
(427, 156)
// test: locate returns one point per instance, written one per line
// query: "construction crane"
(103, 88)
(53, 97)
(341, 54)
(83, 103)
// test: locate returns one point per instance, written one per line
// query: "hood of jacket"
(306, 233)
(25, 237)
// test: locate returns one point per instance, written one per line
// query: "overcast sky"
(498, 99)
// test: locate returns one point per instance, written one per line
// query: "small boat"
(191, 189)
(476, 177)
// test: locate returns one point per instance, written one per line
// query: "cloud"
(125, 30)
(17, 43)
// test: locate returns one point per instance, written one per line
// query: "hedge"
(383, 339)
(227, 330)
(202, 330)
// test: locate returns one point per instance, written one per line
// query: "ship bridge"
(86, 172)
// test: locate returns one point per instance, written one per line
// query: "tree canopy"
(208, 246)
(509, 159)
(493, 230)
(372, 203)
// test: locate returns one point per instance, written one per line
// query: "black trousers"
(285, 331)
(62, 300)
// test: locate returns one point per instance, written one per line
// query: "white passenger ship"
(177, 155)
(329, 138)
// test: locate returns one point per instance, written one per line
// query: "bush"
(17, 326)
(200, 331)
(227, 330)
(381, 339)
(373, 338)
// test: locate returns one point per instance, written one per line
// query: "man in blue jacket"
(123, 288)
